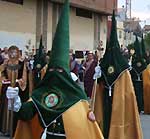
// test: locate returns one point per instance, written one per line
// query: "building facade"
(24, 21)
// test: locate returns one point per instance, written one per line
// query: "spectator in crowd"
(89, 66)
(81, 71)
(125, 52)
(5, 53)
(73, 64)
(1, 58)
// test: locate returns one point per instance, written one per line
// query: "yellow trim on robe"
(98, 106)
(125, 120)
(79, 126)
(43, 71)
(146, 90)
(76, 127)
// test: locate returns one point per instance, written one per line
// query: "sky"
(139, 9)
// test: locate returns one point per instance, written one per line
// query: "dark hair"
(74, 56)
(13, 47)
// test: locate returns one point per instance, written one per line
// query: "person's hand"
(12, 92)
(97, 73)
(91, 116)
(31, 64)
(12, 95)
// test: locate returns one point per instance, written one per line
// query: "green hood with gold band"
(57, 91)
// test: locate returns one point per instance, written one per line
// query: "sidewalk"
(145, 121)
(1, 137)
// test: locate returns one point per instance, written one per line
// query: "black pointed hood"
(138, 63)
(113, 63)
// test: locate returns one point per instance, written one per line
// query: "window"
(83, 13)
(15, 1)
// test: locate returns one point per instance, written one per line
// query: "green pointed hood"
(39, 58)
(138, 62)
(137, 47)
(113, 63)
(57, 92)
(39, 63)
(143, 46)
(60, 47)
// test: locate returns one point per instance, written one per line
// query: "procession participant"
(37, 67)
(89, 67)
(74, 67)
(138, 66)
(1, 58)
(145, 53)
(146, 80)
(4, 54)
(39, 64)
(115, 102)
(12, 65)
(58, 106)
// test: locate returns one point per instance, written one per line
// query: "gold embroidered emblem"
(111, 69)
(138, 64)
(51, 100)
(38, 66)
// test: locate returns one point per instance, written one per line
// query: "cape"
(32, 129)
(124, 105)
(146, 89)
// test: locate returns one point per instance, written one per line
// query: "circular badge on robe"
(38, 66)
(138, 64)
(144, 60)
(51, 100)
(111, 69)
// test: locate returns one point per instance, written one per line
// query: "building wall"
(120, 33)
(49, 28)
(81, 32)
(130, 38)
(81, 28)
(18, 26)
(103, 33)
(101, 6)
(17, 23)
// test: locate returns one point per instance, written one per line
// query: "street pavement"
(145, 121)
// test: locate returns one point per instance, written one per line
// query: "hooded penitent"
(39, 63)
(144, 54)
(62, 106)
(146, 80)
(57, 91)
(112, 65)
(138, 66)
(138, 62)
(112, 91)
